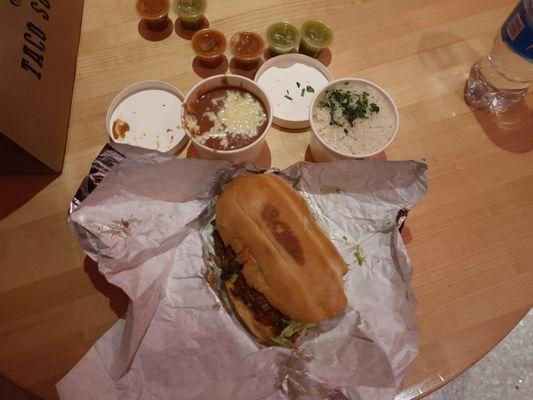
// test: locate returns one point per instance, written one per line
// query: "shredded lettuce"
(331, 189)
(359, 256)
(283, 339)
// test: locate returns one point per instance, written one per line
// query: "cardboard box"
(38, 52)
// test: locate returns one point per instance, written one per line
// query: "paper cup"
(285, 78)
(248, 153)
(152, 109)
(323, 152)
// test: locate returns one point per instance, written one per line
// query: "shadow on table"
(205, 72)
(309, 156)
(155, 36)
(185, 33)
(10, 391)
(264, 160)
(512, 130)
(247, 73)
(118, 300)
(17, 190)
(440, 51)
(325, 57)
(406, 234)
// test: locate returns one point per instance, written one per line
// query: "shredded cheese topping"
(240, 114)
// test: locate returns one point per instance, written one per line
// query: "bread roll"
(284, 254)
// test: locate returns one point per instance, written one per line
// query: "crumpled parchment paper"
(146, 223)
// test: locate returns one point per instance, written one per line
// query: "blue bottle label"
(517, 32)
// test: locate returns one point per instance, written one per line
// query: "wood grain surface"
(470, 240)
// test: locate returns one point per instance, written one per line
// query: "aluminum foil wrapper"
(145, 218)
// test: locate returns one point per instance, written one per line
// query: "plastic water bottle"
(501, 79)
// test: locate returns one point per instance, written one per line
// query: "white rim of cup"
(303, 59)
(135, 88)
(349, 155)
(234, 151)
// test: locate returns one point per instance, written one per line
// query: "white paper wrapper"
(147, 226)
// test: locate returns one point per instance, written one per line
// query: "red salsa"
(154, 13)
(209, 45)
(247, 48)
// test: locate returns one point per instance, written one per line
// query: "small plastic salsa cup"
(315, 36)
(191, 13)
(282, 38)
(154, 13)
(247, 49)
(209, 45)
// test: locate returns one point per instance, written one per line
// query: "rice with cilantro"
(354, 118)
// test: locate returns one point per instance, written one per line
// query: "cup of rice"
(351, 118)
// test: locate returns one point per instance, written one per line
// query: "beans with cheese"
(226, 118)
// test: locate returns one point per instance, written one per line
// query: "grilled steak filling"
(231, 270)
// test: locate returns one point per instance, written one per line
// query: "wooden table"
(470, 240)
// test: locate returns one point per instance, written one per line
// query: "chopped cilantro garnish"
(288, 97)
(352, 106)
(310, 89)
(332, 108)
(303, 92)
(298, 84)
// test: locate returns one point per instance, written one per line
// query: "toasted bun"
(264, 332)
(285, 255)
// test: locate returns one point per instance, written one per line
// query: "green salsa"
(315, 36)
(191, 12)
(282, 38)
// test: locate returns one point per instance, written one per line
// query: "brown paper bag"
(38, 52)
